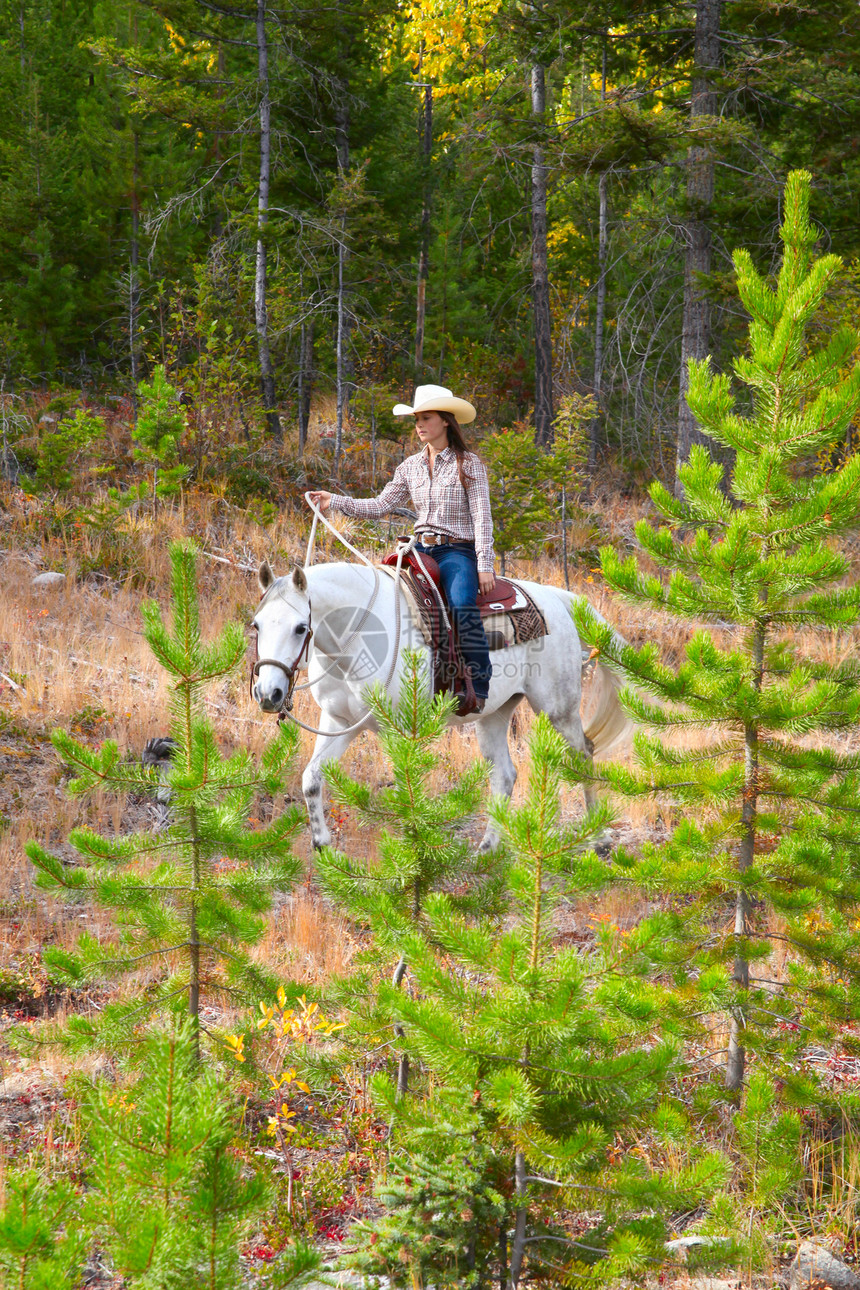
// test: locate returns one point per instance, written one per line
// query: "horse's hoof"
(603, 849)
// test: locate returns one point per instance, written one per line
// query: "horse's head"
(283, 624)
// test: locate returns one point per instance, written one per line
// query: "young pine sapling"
(191, 897)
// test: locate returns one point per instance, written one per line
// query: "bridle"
(291, 673)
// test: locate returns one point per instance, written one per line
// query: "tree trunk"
(194, 934)
(736, 1059)
(342, 124)
(134, 271)
(306, 379)
(403, 1059)
(503, 1256)
(540, 272)
(696, 326)
(426, 130)
(518, 1247)
(599, 316)
(261, 312)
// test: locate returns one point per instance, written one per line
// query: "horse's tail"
(606, 724)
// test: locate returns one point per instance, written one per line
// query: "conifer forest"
(603, 1032)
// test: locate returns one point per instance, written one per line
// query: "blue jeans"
(458, 566)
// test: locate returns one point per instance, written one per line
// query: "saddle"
(504, 597)
(508, 613)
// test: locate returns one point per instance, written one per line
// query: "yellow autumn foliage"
(446, 39)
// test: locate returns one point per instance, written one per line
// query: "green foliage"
(420, 849)
(42, 1243)
(118, 118)
(768, 795)
(443, 1197)
(108, 140)
(522, 514)
(166, 1193)
(158, 430)
(160, 421)
(193, 896)
(770, 1139)
(59, 449)
(169, 1194)
(532, 1059)
(532, 487)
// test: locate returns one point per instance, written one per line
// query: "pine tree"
(42, 1242)
(537, 1059)
(158, 431)
(766, 847)
(444, 1196)
(192, 896)
(169, 1197)
(522, 513)
(420, 849)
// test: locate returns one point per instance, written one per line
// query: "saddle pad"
(526, 620)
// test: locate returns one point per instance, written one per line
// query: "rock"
(349, 1281)
(714, 1283)
(9, 467)
(815, 1268)
(681, 1244)
(50, 579)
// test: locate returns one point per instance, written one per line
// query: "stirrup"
(469, 705)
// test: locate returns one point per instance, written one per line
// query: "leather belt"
(441, 539)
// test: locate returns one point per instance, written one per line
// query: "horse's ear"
(265, 577)
(300, 582)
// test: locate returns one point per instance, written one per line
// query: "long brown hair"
(458, 443)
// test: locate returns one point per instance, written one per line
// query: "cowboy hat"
(434, 398)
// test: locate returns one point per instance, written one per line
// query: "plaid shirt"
(442, 504)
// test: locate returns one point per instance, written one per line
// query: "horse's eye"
(301, 629)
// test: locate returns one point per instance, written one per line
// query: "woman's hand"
(321, 498)
(486, 582)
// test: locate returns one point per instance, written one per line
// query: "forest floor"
(72, 655)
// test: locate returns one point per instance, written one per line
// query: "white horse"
(347, 624)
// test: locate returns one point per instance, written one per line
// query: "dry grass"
(308, 940)
(77, 659)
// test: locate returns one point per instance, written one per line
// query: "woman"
(447, 485)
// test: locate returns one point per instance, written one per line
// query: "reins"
(286, 709)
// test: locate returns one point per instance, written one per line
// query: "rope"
(403, 549)
(318, 515)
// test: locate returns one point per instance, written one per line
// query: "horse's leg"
(561, 706)
(328, 747)
(492, 732)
